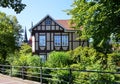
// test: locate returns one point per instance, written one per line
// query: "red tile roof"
(65, 24)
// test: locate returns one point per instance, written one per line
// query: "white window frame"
(61, 40)
(42, 40)
(65, 40)
(57, 40)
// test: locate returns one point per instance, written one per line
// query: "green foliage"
(25, 58)
(116, 47)
(94, 78)
(99, 19)
(89, 59)
(17, 5)
(9, 28)
(25, 49)
(113, 58)
(86, 56)
(58, 59)
(34, 61)
(81, 58)
(62, 76)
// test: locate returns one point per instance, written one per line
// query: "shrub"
(25, 58)
(89, 59)
(58, 59)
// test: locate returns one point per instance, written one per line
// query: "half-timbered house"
(53, 35)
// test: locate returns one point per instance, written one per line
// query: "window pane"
(43, 58)
(57, 40)
(42, 40)
(64, 40)
(48, 22)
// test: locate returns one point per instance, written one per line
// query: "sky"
(38, 9)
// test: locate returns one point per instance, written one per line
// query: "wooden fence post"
(22, 72)
(70, 76)
(41, 74)
(11, 70)
(3, 69)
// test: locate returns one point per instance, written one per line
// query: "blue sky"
(38, 9)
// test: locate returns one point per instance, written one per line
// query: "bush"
(62, 76)
(89, 59)
(58, 59)
(25, 58)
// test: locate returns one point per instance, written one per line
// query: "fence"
(55, 75)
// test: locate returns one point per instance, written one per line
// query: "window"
(61, 40)
(43, 58)
(48, 22)
(57, 40)
(65, 40)
(42, 40)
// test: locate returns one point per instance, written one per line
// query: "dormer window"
(48, 22)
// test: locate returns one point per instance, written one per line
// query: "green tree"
(86, 58)
(9, 28)
(24, 57)
(21, 54)
(99, 19)
(25, 49)
(16, 5)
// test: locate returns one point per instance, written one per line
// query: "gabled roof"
(63, 23)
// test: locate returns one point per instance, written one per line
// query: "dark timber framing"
(50, 31)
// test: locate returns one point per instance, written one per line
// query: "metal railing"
(40, 74)
(45, 74)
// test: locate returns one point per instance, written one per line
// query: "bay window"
(61, 40)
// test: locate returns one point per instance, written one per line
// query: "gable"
(48, 23)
